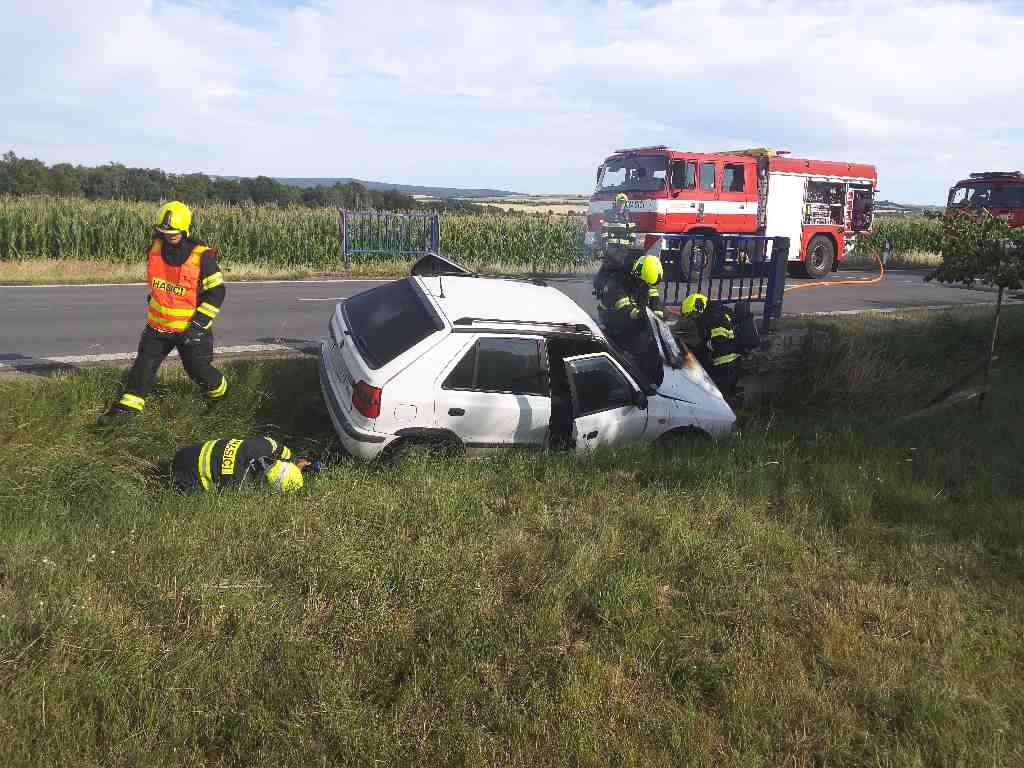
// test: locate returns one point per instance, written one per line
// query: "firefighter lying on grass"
(230, 462)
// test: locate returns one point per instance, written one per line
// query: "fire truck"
(1001, 193)
(821, 206)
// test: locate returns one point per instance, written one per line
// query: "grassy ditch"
(831, 586)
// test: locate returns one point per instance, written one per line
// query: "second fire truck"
(820, 205)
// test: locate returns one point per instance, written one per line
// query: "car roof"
(509, 304)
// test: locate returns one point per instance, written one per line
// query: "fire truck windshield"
(645, 173)
(988, 195)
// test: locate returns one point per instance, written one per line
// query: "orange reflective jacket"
(173, 291)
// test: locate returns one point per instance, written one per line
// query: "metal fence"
(727, 269)
(380, 232)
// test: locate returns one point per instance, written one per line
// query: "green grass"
(829, 587)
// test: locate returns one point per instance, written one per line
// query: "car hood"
(691, 384)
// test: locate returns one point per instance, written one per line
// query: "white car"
(472, 363)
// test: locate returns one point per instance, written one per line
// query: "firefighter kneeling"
(186, 291)
(718, 351)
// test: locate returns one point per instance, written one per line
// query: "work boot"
(116, 415)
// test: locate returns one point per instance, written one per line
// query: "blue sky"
(526, 96)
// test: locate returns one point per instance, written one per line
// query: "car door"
(608, 407)
(496, 393)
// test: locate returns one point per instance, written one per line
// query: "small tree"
(981, 248)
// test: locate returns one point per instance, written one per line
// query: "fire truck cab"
(1001, 193)
(821, 206)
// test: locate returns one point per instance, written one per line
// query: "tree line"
(24, 176)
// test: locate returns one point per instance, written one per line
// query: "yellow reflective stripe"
(205, 473)
(273, 443)
(221, 388)
(722, 333)
(625, 301)
(132, 401)
(725, 359)
(212, 281)
(652, 291)
(286, 453)
(176, 325)
(208, 309)
(169, 311)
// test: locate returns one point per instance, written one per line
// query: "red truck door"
(737, 197)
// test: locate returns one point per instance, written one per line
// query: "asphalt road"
(43, 322)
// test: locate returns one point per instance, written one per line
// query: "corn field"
(51, 227)
(911, 234)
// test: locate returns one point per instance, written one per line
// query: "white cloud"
(526, 96)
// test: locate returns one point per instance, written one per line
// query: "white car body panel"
(471, 308)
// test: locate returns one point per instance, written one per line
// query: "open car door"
(608, 407)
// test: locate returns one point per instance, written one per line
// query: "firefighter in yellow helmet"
(617, 232)
(717, 349)
(230, 462)
(623, 297)
(186, 292)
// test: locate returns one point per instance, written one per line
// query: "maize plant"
(118, 231)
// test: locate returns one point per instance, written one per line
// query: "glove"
(193, 335)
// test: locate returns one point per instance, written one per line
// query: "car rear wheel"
(411, 448)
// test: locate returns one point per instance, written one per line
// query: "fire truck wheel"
(820, 255)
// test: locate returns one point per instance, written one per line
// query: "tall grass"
(113, 231)
(829, 587)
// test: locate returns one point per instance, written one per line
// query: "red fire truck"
(819, 205)
(1001, 193)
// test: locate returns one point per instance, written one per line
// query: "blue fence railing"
(386, 233)
(727, 269)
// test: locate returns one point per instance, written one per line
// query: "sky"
(525, 96)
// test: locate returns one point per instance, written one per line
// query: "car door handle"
(590, 435)
(456, 411)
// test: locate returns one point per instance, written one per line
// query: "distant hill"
(884, 207)
(442, 193)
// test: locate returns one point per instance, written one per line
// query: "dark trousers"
(726, 377)
(155, 346)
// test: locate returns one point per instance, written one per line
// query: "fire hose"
(853, 283)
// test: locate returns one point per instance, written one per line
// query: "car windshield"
(645, 173)
(988, 195)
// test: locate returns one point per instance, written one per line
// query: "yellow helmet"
(648, 268)
(695, 302)
(284, 476)
(621, 197)
(173, 217)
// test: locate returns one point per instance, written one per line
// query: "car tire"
(688, 436)
(821, 254)
(409, 448)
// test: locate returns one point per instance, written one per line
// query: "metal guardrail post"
(776, 282)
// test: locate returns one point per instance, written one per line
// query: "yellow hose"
(853, 283)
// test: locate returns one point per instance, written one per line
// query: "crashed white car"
(470, 363)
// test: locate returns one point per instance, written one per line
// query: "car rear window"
(385, 322)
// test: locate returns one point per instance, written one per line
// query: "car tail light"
(366, 399)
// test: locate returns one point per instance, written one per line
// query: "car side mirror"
(640, 401)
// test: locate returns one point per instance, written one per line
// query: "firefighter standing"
(229, 462)
(623, 297)
(617, 232)
(186, 291)
(718, 351)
